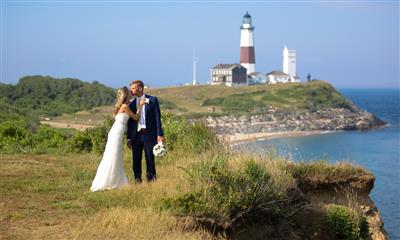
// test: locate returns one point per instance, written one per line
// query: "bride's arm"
(131, 114)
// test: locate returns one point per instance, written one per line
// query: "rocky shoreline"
(276, 122)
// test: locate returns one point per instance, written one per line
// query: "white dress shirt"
(142, 119)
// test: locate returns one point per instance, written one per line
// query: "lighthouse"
(247, 56)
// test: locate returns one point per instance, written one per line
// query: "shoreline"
(239, 138)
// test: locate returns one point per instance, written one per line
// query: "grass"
(236, 189)
(48, 197)
(346, 223)
(43, 194)
(292, 96)
(326, 170)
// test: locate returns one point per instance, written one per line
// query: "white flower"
(159, 150)
(147, 100)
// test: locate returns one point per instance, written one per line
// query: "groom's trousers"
(140, 144)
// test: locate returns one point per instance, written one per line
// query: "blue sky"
(348, 43)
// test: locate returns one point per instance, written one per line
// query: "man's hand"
(160, 139)
(129, 144)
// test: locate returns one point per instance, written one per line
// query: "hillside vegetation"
(36, 96)
(251, 99)
(203, 100)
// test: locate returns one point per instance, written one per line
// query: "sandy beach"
(236, 138)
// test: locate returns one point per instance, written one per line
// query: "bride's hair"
(122, 97)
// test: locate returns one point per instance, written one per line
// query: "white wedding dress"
(111, 172)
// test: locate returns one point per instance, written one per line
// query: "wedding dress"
(111, 173)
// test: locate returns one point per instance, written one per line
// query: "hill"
(203, 99)
(37, 96)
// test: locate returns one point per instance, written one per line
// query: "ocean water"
(377, 150)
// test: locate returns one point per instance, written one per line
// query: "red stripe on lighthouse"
(247, 55)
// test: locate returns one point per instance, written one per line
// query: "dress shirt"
(142, 119)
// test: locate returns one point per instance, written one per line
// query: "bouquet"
(159, 150)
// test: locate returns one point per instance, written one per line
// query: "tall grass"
(235, 190)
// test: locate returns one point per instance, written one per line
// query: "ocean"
(377, 150)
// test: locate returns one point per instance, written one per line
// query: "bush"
(235, 195)
(92, 139)
(175, 129)
(47, 139)
(15, 137)
(81, 142)
(199, 138)
(193, 137)
(346, 223)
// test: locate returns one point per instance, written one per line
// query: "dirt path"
(77, 126)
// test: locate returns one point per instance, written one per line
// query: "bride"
(110, 173)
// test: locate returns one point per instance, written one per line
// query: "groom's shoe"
(138, 180)
(151, 178)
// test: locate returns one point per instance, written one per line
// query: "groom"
(144, 133)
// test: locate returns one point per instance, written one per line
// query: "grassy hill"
(194, 101)
(251, 99)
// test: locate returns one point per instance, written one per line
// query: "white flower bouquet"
(159, 150)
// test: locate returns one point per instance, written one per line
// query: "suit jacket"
(153, 121)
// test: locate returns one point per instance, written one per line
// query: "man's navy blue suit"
(145, 139)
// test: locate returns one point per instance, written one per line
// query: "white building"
(278, 77)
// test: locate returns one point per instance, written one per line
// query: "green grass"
(312, 96)
(233, 190)
(346, 223)
(47, 194)
(250, 99)
(325, 169)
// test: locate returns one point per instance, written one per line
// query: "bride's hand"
(142, 102)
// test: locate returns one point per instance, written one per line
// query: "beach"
(240, 137)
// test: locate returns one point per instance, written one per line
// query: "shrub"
(47, 139)
(81, 142)
(199, 138)
(175, 129)
(346, 223)
(92, 139)
(193, 137)
(222, 192)
(15, 137)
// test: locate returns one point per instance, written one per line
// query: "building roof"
(225, 66)
(255, 73)
(277, 73)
